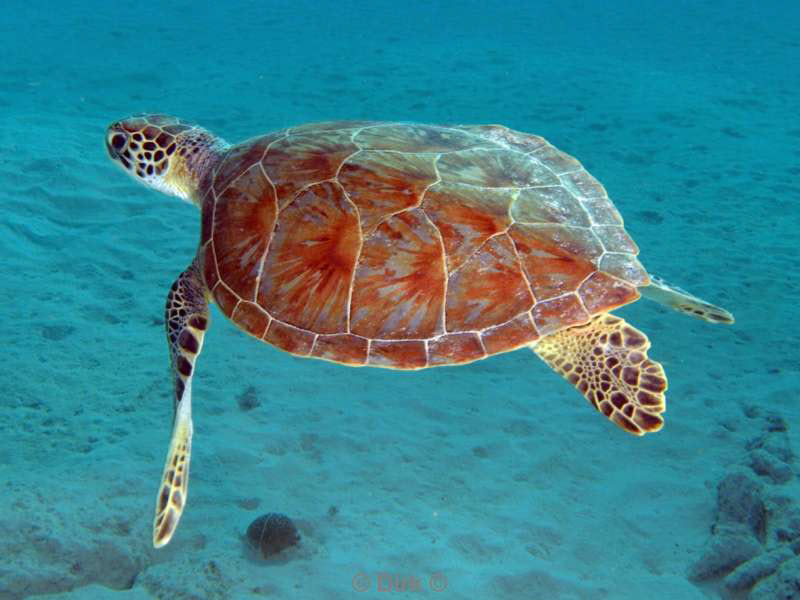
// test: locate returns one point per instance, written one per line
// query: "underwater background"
(494, 480)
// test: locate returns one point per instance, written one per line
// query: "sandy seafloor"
(495, 479)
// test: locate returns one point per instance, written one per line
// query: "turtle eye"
(118, 141)
(115, 143)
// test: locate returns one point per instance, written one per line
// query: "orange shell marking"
(309, 268)
(399, 285)
(409, 246)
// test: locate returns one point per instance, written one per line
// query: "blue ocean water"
(492, 480)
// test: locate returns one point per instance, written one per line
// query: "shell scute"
(510, 335)
(297, 161)
(493, 168)
(466, 217)
(583, 185)
(289, 338)
(209, 263)
(410, 354)
(307, 273)
(382, 183)
(252, 318)
(398, 289)
(225, 298)
(344, 348)
(557, 313)
(624, 267)
(240, 158)
(455, 348)
(601, 211)
(600, 291)
(557, 162)
(555, 258)
(615, 239)
(315, 128)
(414, 138)
(489, 288)
(244, 216)
(551, 204)
(504, 137)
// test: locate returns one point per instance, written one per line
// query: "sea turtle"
(403, 246)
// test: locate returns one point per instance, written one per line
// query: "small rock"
(776, 443)
(724, 552)
(248, 503)
(749, 573)
(271, 533)
(248, 399)
(752, 411)
(788, 528)
(767, 465)
(56, 333)
(775, 422)
(740, 501)
(783, 585)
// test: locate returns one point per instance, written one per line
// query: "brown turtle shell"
(409, 246)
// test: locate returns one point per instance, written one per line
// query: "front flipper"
(606, 359)
(187, 320)
(682, 301)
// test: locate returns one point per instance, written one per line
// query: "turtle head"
(165, 153)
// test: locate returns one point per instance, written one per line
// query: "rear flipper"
(606, 359)
(682, 301)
